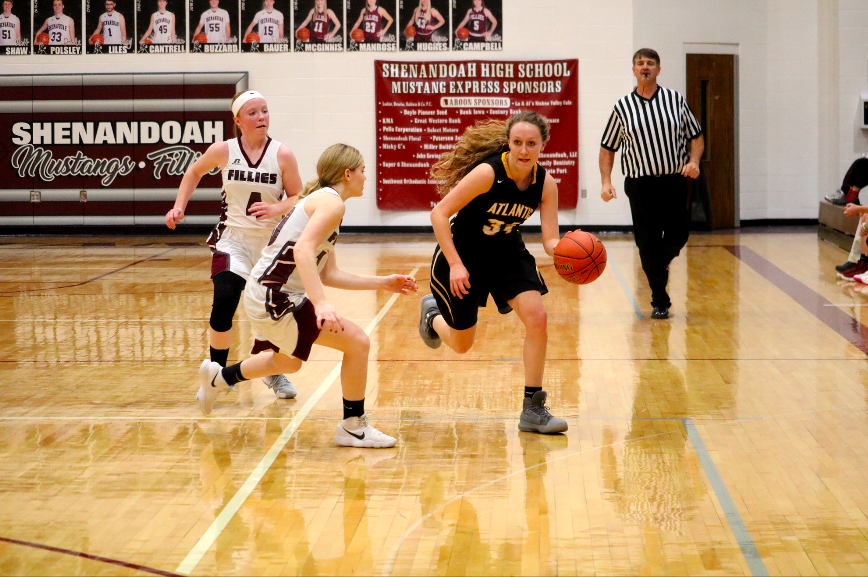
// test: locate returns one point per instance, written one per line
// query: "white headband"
(244, 99)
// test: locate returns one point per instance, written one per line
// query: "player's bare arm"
(333, 276)
(123, 28)
(389, 22)
(216, 155)
(548, 214)
(493, 22)
(42, 28)
(98, 29)
(281, 31)
(463, 22)
(607, 161)
(174, 38)
(249, 28)
(291, 185)
(228, 31)
(440, 20)
(198, 29)
(336, 22)
(477, 182)
(361, 17)
(148, 31)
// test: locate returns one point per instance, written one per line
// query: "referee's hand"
(608, 192)
(690, 170)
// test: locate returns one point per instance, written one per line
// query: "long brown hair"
(483, 139)
(331, 166)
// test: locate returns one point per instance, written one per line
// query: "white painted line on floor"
(207, 540)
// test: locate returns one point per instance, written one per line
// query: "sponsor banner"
(318, 25)
(161, 26)
(373, 25)
(109, 28)
(266, 24)
(423, 107)
(424, 25)
(122, 140)
(57, 27)
(477, 24)
(15, 28)
(214, 26)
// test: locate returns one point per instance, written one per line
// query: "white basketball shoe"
(356, 432)
(208, 386)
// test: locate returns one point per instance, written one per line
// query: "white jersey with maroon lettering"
(268, 25)
(274, 287)
(246, 182)
(111, 27)
(164, 23)
(214, 24)
(10, 29)
(59, 30)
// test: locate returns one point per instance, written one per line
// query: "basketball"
(462, 33)
(252, 37)
(410, 31)
(303, 34)
(200, 38)
(43, 39)
(580, 257)
(358, 35)
(148, 41)
(96, 39)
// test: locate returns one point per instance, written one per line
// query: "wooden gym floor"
(729, 440)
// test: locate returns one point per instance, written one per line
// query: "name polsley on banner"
(424, 107)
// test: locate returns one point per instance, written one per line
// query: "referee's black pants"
(660, 226)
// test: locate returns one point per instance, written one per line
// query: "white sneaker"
(356, 432)
(281, 386)
(862, 278)
(207, 394)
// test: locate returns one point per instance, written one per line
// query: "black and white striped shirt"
(655, 133)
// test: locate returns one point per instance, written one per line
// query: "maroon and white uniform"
(274, 297)
(423, 25)
(319, 26)
(477, 25)
(238, 239)
(372, 23)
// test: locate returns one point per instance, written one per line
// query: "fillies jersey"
(423, 23)
(246, 182)
(319, 26)
(268, 25)
(214, 24)
(59, 29)
(274, 282)
(9, 30)
(163, 24)
(477, 24)
(372, 23)
(111, 27)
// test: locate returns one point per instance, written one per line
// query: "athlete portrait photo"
(217, 26)
(161, 27)
(425, 25)
(61, 25)
(374, 27)
(108, 29)
(319, 26)
(477, 24)
(267, 22)
(15, 28)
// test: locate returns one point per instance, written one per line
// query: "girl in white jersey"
(300, 258)
(260, 183)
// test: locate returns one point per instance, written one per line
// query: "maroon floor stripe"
(89, 556)
(833, 317)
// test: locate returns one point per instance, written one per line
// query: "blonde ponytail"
(330, 167)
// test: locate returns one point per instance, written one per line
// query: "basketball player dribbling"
(216, 22)
(300, 259)
(268, 22)
(373, 17)
(260, 183)
(162, 27)
(426, 19)
(492, 183)
(319, 18)
(10, 26)
(61, 28)
(112, 25)
(476, 20)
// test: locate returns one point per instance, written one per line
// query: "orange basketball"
(358, 35)
(303, 34)
(410, 31)
(148, 41)
(200, 38)
(43, 38)
(96, 39)
(252, 37)
(579, 257)
(462, 33)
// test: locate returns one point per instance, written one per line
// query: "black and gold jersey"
(488, 225)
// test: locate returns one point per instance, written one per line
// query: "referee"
(662, 145)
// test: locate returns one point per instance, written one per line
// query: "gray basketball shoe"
(426, 329)
(535, 416)
(281, 386)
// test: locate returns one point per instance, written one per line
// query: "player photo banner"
(57, 26)
(477, 24)
(214, 26)
(424, 25)
(15, 28)
(161, 26)
(374, 25)
(267, 22)
(109, 26)
(120, 142)
(318, 25)
(424, 107)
